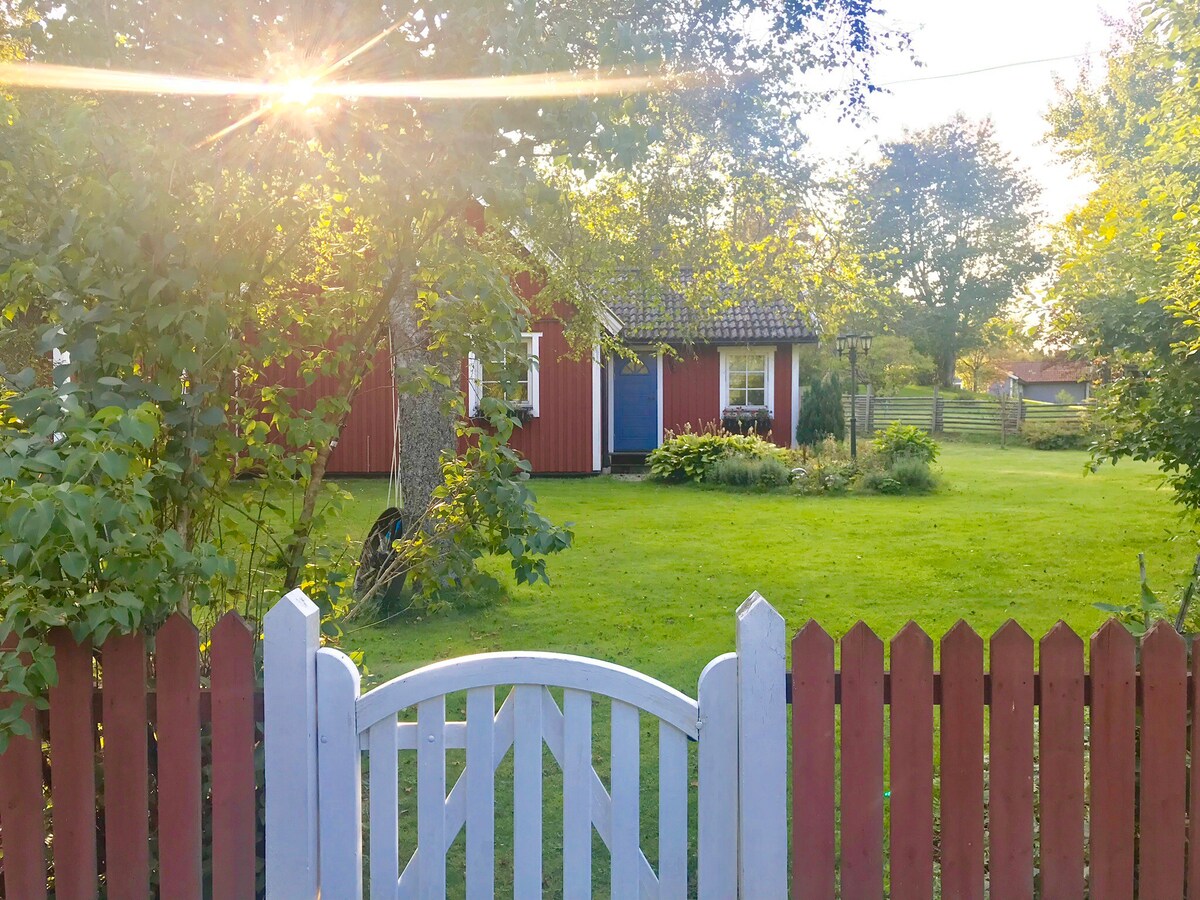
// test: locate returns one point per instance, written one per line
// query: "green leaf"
(74, 563)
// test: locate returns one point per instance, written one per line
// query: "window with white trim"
(747, 377)
(523, 391)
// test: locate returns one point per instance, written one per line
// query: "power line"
(1011, 65)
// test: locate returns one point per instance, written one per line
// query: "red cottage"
(580, 413)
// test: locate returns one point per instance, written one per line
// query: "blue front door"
(635, 403)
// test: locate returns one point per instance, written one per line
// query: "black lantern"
(852, 344)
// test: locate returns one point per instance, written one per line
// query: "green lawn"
(656, 571)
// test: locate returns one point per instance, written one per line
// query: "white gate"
(319, 727)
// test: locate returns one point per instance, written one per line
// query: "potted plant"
(744, 420)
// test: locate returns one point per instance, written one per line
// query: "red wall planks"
(692, 389)
(1162, 805)
(781, 428)
(177, 658)
(73, 758)
(1060, 761)
(862, 764)
(813, 735)
(126, 767)
(1114, 708)
(559, 440)
(233, 737)
(962, 763)
(1010, 773)
(912, 764)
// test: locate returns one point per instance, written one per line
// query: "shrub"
(821, 414)
(1063, 435)
(690, 456)
(906, 475)
(739, 471)
(900, 441)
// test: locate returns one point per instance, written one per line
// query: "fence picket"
(1010, 774)
(73, 758)
(717, 794)
(672, 812)
(1112, 763)
(962, 763)
(812, 764)
(1060, 764)
(912, 765)
(21, 806)
(1162, 798)
(481, 793)
(626, 828)
(339, 775)
(233, 733)
(384, 807)
(577, 794)
(862, 763)
(177, 670)
(527, 791)
(431, 796)
(126, 767)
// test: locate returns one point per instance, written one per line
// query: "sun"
(297, 92)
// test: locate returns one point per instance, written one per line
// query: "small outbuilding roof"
(1046, 371)
(672, 320)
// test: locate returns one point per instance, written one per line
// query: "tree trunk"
(427, 425)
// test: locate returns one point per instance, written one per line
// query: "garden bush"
(899, 441)
(691, 456)
(906, 475)
(1068, 435)
(741, 471)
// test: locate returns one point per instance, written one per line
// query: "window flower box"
(744, 420)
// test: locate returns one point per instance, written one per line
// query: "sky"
(951, 37)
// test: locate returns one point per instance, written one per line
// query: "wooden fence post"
(291, 637)
(762, 750)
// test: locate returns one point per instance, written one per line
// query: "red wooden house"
(684, 370)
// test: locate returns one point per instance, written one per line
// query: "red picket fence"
(1122, 723)
(134, 748)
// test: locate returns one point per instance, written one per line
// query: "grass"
(656, 572)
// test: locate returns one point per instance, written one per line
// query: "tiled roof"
(671, 319)
(1042, 371)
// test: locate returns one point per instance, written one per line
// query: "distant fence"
(953, 415)
(135, 755)
(1018, 749)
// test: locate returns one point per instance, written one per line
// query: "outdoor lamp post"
(853, 344)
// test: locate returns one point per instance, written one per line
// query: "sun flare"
(297, 92)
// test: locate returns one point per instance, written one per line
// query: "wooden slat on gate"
(119, 757)
(1016, 790)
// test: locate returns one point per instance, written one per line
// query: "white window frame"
(533, 345)
(728, 354)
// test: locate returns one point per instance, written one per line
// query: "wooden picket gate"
(313, 701)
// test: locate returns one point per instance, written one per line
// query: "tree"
(950, 222)
(1000, 339)
(893, 363)
(821, 414)
(1124, 289)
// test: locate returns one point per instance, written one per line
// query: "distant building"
(1046, 380)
